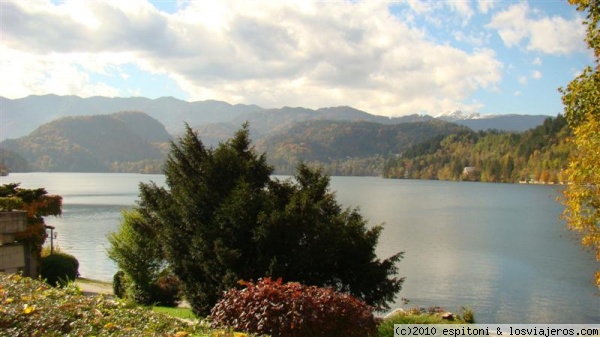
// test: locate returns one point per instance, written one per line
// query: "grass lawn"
(183, 313)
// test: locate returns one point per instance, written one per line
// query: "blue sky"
(386, 58)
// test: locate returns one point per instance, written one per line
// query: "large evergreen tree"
(222, 219)
(582, 110)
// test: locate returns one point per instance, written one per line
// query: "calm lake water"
(497, 248)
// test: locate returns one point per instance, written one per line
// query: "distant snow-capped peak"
(459, 115)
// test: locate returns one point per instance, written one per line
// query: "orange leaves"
(37, 204)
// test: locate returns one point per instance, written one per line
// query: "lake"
(500, 249)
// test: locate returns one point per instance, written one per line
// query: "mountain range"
(100, 134)
(478, 122)
(21, 116)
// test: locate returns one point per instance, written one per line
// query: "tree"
(581, 99)
(222, 219)
(308, 237)
(137, 253)
(38, 204)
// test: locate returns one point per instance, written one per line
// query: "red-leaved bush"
(293, 310)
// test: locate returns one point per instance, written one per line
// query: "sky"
(387, 58)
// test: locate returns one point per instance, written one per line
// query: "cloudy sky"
(387, 58)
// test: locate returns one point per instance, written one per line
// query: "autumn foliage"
(38, 204)
(581, 99)
(293, 310)
(32, 308)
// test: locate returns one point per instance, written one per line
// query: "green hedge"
(59, 269)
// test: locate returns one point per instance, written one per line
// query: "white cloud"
(463, 8)
(522, 80)
(534, 74)
(421, 7)
(25, 73)
(442, 14)
(520, 25)
(537, 62)
(484, 6)
(312, 54)
(475, 39)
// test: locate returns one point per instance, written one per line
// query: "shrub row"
(32, 308)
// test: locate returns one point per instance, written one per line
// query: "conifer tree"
(222, 218)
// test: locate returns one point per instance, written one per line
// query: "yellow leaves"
(582, 109)
(228, 334)
(33, 309)
(28, 309)
(15, 277)
(181, 334)
(97, 313)
(110, 326)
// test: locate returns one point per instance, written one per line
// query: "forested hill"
(269, 122)
(431, 149)
(120, 142)
(11, 161)
(347, 148)
(537, 155)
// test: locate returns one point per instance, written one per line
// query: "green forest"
(347, 148)
(434, 149)
(120, 142)
(536, 156)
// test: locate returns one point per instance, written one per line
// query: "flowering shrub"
(293, 310)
